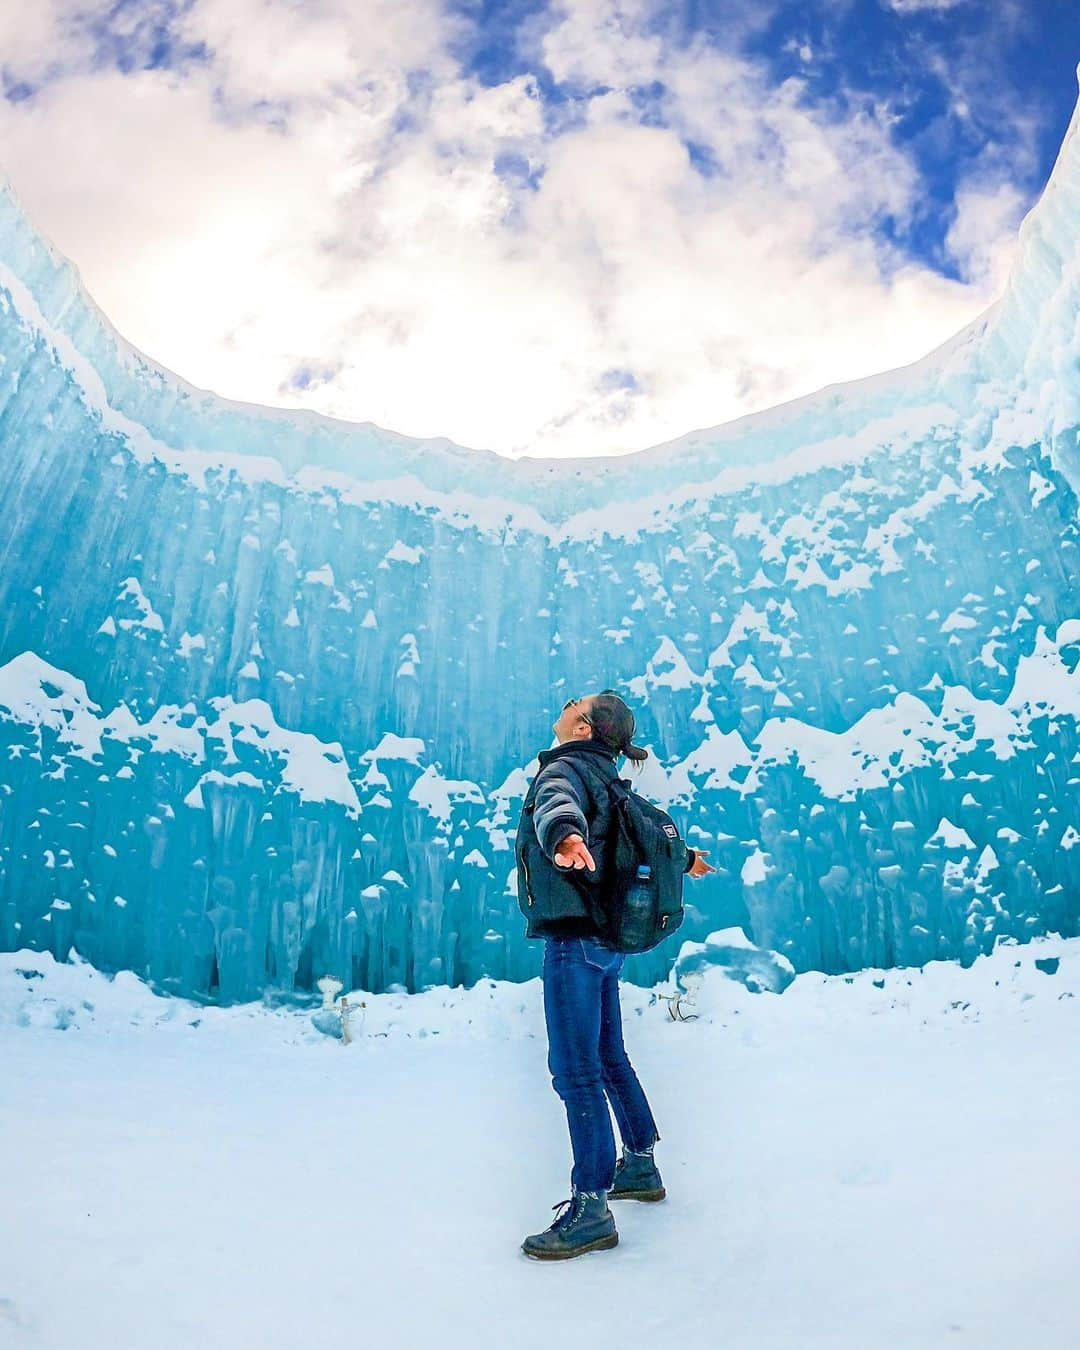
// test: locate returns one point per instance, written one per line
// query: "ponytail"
(635, 754)
(613, 726)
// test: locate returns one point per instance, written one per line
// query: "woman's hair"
(613, 726)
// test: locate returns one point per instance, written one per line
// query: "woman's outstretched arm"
(559, 808)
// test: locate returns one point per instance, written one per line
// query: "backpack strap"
(620, 791)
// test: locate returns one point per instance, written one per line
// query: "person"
(563, 829)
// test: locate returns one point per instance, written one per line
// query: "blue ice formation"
(272, 686)
(736, 957)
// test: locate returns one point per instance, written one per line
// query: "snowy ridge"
(39, 992)
(158, 415)
(37, 694)
(443, 479)
(1032, 330)
(883, 744)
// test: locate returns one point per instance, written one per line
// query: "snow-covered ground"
(879, 1161)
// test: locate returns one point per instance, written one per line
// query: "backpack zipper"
(525, 869)
(527, 807)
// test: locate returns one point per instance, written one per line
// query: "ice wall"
(271, 686)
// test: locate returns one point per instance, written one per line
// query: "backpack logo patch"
(670, 831)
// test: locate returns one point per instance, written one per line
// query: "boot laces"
(566, 1208)
(569, 1209)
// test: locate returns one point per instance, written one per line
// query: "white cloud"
(982, 238)
(330, 192)
(354, 52)
(37, 38)
(919, 6)
(599, 42)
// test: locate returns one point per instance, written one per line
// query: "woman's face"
(572, 723)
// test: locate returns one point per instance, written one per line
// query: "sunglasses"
(570, 703)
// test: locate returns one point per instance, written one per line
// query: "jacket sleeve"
(559, 807)
(691, 856)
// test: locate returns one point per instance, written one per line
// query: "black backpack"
(641, 833)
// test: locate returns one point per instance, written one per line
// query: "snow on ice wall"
(272, 686)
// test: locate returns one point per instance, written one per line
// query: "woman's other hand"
(701, 868)
(572, 852)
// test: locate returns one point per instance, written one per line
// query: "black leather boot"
(636, 1178)
(584, 1225)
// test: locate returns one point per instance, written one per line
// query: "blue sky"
(960, 76)
(568, 229)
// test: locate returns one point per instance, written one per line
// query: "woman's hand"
(572, 852)
(701, 868)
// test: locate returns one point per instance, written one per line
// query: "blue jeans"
(587, 1058)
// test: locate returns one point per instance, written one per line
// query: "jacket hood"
(576, 747)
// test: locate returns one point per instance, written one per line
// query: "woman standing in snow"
(563, 827)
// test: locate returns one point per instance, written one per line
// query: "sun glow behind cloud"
(634, 235)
